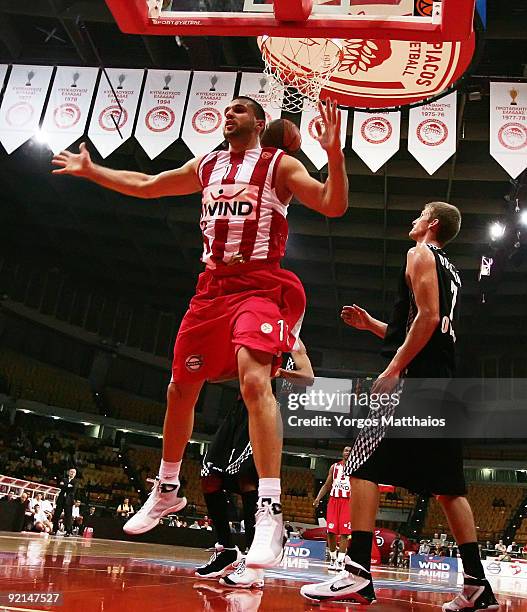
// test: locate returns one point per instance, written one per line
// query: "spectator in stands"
(513, 548)
(68, 489)
(436, 540)
(424, 549)
(25, 514)
(41, 520)
(125, 510)
(500, 548)
(77, 517)
(195, 525)
(44, 504)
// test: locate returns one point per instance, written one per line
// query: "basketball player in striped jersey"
(247, 310)
(338, 512)
(420, 342)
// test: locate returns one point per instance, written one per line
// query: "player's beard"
(240, 132)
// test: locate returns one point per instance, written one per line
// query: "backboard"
(419, 20)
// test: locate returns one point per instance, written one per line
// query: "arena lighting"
(25, 411)
(496, 230)
(55, 418)
(523, 217)
(41, 137)
(86, 423)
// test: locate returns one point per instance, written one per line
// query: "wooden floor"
(109, 576)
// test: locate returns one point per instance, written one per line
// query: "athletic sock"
(471, 560)
(340, 557)
(359, 548)
(249, 501)
(269, 487)
(169, 471)
(333, 555)
(218, 510)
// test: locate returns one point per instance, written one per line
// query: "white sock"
(269, 487)
(340, 557)
(169, 471)
(333, 555)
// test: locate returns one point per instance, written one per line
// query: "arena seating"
(29, 379)
(490, 520)
(133, 408)
(44, 455)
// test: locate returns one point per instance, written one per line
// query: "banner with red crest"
(508, 126)
(376, 137)
(432, 132)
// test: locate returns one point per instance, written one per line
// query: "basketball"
(282, 134)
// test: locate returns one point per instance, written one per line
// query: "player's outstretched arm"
(325, 488)
(357, 317)
(180, 181)
(329, 198)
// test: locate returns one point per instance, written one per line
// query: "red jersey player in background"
(338, 512)
(247, 309)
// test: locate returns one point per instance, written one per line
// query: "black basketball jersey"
(438, 358)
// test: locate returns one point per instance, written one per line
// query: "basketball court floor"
(112, 576)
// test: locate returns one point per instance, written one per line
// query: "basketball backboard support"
(428, 21)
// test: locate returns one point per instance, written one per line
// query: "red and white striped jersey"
(242, 218)
(341, 486)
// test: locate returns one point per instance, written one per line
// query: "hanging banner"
(256, 86)
(508, 126)
(68, 106)
(210, 93)
(432, 132)
(161, 111)
(376, 137)
(22, 104)
(310, 117)
(3, 72)
(107, 114)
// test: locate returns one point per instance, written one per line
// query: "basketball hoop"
(298, 69)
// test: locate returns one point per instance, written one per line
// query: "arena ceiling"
(148, 251)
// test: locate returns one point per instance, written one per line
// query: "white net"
(298, 69)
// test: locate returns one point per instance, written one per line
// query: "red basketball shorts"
(259, 308)
(338, 515)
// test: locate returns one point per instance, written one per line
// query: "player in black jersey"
(420, 343)
(228, 466)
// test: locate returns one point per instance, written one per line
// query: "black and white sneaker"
(353, 585)
(221, 562)
(476, 595)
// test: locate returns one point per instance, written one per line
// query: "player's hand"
(279, 373)
(355, 316)
(386, 382)
(328, 129)
(76, 164)
(316, 503)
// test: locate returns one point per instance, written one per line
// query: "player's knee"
(181, 396)
(445, 500)
(253, 386)
(211, 484)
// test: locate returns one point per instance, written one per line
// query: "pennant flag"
(161, 112)
(107, 114)
(432, 132)
(376, 137)
(68, 106)
(508, 126)
(210, 93)
(256, 86)
(3, 72)
(22, 104)
(310, 117)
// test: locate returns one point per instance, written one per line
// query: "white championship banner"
(3, 72)
(432, 132)
(161, 112)
(256, 86)
(376, 137)
(68, 106)
(210, 94)
(22, 104)
(508, 126)
(107, 114)
(310, 116)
